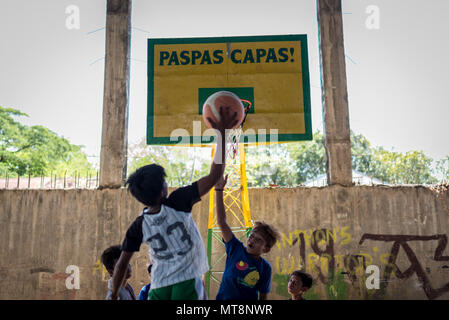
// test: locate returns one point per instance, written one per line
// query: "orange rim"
(249, 104)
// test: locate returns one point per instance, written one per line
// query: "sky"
(396, 62)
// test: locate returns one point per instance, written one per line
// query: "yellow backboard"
(269, 71)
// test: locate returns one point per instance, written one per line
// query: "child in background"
(143, 295)
(298, 284)
(109, 259)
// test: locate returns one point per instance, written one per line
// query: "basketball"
(220, 100)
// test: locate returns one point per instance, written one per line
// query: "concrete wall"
(331, 232)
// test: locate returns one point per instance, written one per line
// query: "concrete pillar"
(335, 95)
(114, 139)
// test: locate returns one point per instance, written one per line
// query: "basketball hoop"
(234, 135)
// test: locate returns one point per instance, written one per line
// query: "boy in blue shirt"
(247, 276)
(143, 295)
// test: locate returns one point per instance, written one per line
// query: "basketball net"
(233, 138)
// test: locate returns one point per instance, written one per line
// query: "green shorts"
(192, 289)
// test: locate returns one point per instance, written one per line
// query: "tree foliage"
(35, 150)
(412, 167)
(307, 160)
(269, 165)
(291, 164)
(182, 165)
(442, 168)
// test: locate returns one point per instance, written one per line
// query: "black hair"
(306, 278)
(146, 183)
(110, 256)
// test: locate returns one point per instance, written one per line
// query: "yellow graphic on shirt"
(251, 278)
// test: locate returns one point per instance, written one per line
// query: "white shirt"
(176, 247)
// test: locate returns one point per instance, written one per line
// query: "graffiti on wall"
(401, 241)
(99, 267)
(317, 255)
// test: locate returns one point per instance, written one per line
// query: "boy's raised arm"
(218, 165)
(120, 273)
(226, 231)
